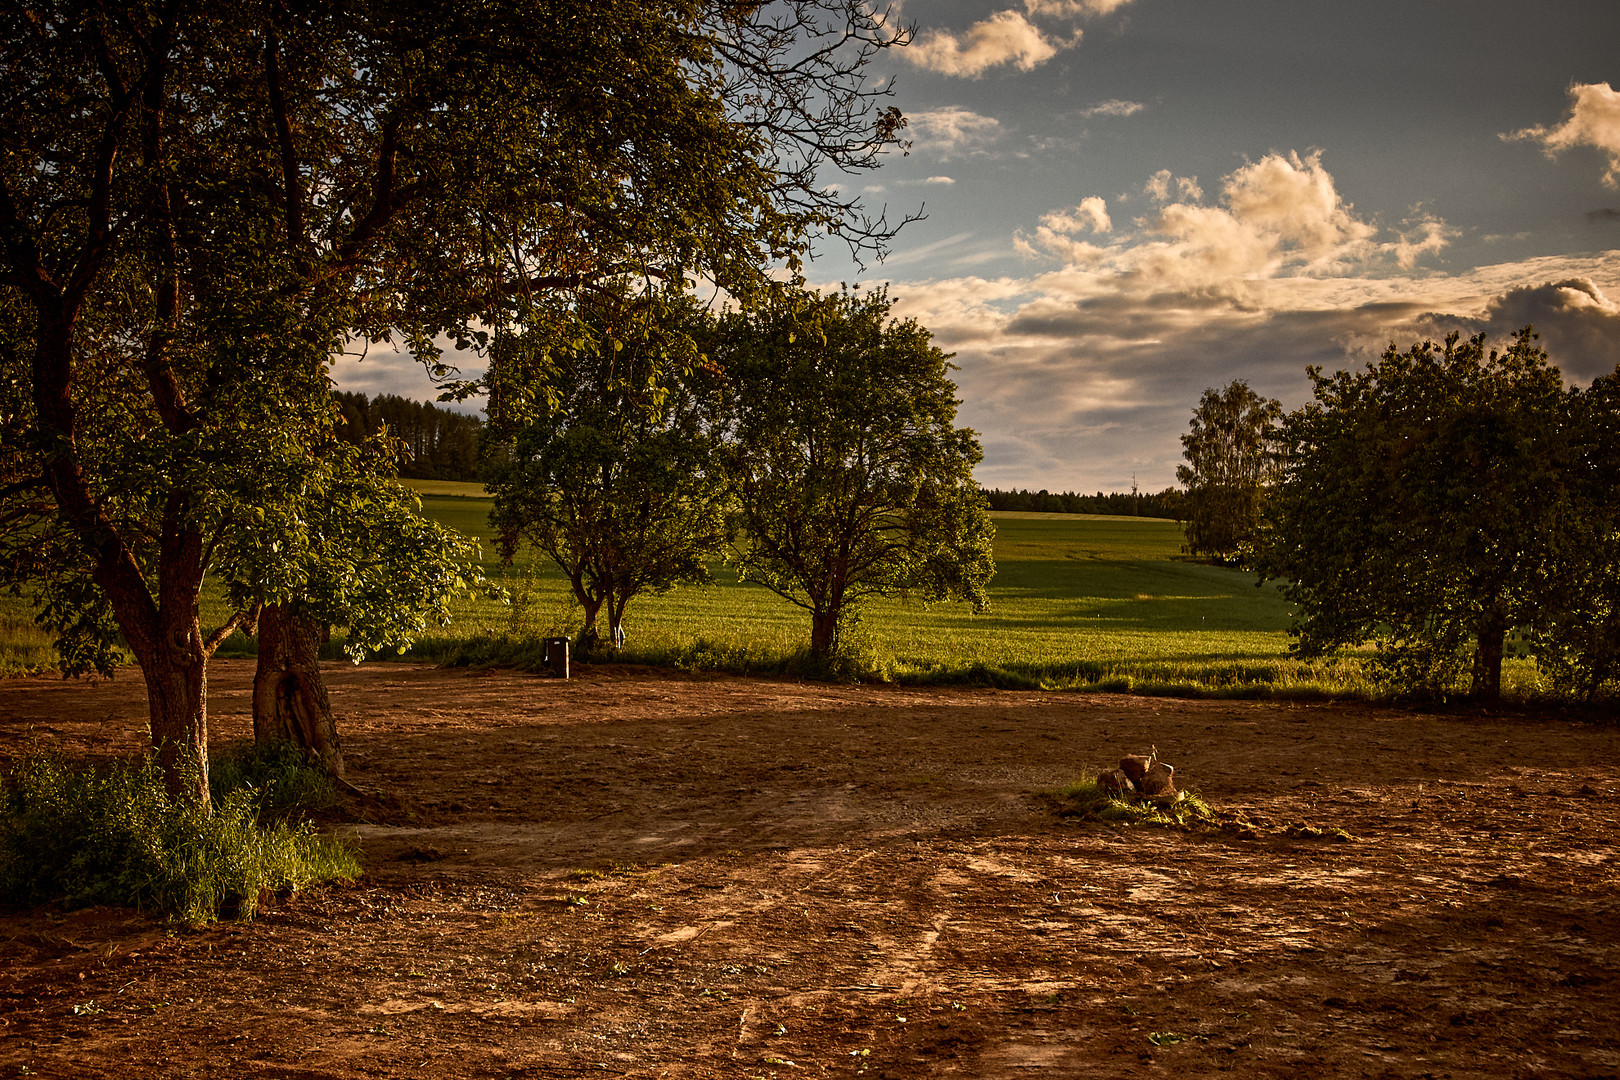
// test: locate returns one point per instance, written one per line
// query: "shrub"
(285, 786)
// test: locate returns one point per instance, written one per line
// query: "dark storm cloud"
(1578, 324)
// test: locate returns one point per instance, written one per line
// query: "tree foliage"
(852, 476)
(1577, 636)
(1426, 504)
(1231, 464)
(617, 477)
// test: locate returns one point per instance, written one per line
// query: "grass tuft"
(83, 836)
(1087, 800)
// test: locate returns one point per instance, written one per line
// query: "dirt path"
(643, 874)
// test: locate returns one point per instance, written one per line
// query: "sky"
(1130, 201)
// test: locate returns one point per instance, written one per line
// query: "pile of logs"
(1144, 778)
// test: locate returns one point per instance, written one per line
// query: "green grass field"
(1077, 601)
(1084, 602)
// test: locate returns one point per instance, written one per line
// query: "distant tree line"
(1169, 503)
(433, 443)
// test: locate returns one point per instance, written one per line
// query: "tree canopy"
(853, 479)
(1231, 462)
(618, 478)
(200, 203)
(1425, 503)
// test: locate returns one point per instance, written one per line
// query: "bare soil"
(652, 875)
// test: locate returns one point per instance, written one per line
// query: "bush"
(83, 836)
(286, 787)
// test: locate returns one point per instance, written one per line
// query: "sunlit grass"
(1078, 602)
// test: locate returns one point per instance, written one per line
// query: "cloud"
(1007, 37)
(1159, 184)
(1593, 120)
(1085, 370)
(1004, 38)
(1606, 215)
(1578, 323)
(1113, 108)
(952, 132)
(940, 180)
(1073, 8)
(1077, 379)
(389, 369)
(1279, 216)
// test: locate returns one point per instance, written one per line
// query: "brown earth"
(644, 874)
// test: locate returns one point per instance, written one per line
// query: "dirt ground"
(650, 875)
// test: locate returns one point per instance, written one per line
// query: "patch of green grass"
(82, 836)
(285, 786)
(1079, 602)
(25, 648)
(1088, 800)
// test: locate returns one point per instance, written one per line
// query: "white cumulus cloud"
(1113, 107)
(1008, 37)
(951, 132)
(1279, 216)
(1593, 120)
(1004, 38)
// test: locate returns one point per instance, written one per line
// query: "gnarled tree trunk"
(175, 669)
(290, 703)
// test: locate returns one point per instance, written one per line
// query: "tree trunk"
(824, 632)
(1486, 684)
(290, 703)
(176, 675)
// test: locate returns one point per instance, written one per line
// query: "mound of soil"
(650, 875)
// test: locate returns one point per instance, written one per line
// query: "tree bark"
(176, 675)
(1486, 682)
(290, 703)
(824, 632)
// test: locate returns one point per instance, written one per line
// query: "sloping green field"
(1076, 601)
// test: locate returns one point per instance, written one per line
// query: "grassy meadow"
(1078, 602)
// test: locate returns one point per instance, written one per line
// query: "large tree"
(200, 202)
(1231, 463)
(1577, 633)
(853, 479)
(1425, 504)
(617, 476)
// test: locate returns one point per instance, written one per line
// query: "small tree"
(1424, 503)
(1231, 462)
(358, 553)
(852, 477)
(615, 475)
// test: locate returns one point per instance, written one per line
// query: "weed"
(286, 786)
(81, 836)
